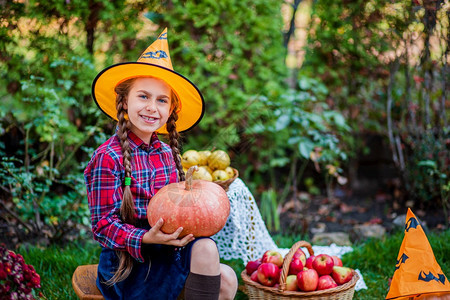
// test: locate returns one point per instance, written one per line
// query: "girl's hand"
(156, 236)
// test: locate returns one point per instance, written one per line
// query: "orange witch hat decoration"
(417, 274)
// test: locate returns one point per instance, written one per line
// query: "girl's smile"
(148, 105)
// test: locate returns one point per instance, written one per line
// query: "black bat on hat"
(401, 260)
(412, 223)
(430, 276)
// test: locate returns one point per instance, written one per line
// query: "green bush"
(300, 128)
(44, 176)
(49, 124)
(233, 50)
(362, 52)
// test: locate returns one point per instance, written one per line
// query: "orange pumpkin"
(200, 207)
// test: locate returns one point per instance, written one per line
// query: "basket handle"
(288, 259)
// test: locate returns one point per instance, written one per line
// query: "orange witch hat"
(417, 273)
(154, 62)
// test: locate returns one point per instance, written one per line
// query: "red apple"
(309, 261)
(337, 261)
(252, 266)
(323, 264)
(295, 266)
(254, 276)
(300, 254)
(268, 274)
(291, 283)
(307, 280)
(272, 256)
(326, 282)
(341, 274)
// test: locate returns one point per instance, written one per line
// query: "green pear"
(190, 158)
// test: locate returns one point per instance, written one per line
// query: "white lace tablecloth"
(245, 235)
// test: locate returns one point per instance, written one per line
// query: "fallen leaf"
(344, 208)
(330, 218)
(323, 210)
(361, 209)
(376, 220)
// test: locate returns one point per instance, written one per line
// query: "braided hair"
(127, 209)
(174, 136)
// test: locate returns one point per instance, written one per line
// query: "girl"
(138, 262)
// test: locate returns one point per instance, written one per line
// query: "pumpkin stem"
(190, 172)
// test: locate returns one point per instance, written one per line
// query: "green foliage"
(436, 177)
(269, 210)
(422, 153)
(49, 123)
(340, 41)
(363, 53)
(233, 51)
(45, 180)
(303, 127)
(427, 163)
(342, 51)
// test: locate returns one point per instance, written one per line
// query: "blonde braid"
(174, 144)
(127, 209)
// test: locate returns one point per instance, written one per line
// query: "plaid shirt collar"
(136, 141)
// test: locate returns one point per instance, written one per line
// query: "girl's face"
(148, 105)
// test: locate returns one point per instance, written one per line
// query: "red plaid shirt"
(152, 168)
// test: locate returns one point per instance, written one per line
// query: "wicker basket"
(226, 183)
(255, 290)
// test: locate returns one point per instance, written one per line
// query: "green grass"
(376, 260)
(56, 265)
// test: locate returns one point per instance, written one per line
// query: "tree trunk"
(91, 24)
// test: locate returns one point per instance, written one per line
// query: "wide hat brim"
(192, 105)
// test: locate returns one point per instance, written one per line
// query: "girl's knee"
(229, 282)
(206, 248)
(205, 257)
(228, 275)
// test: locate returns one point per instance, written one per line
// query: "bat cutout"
(430, 276)
(401, 260)
(155, 54)
(411, 223)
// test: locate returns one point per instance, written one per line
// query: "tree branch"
(12, 213)
(287, 35)
(393, 70)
